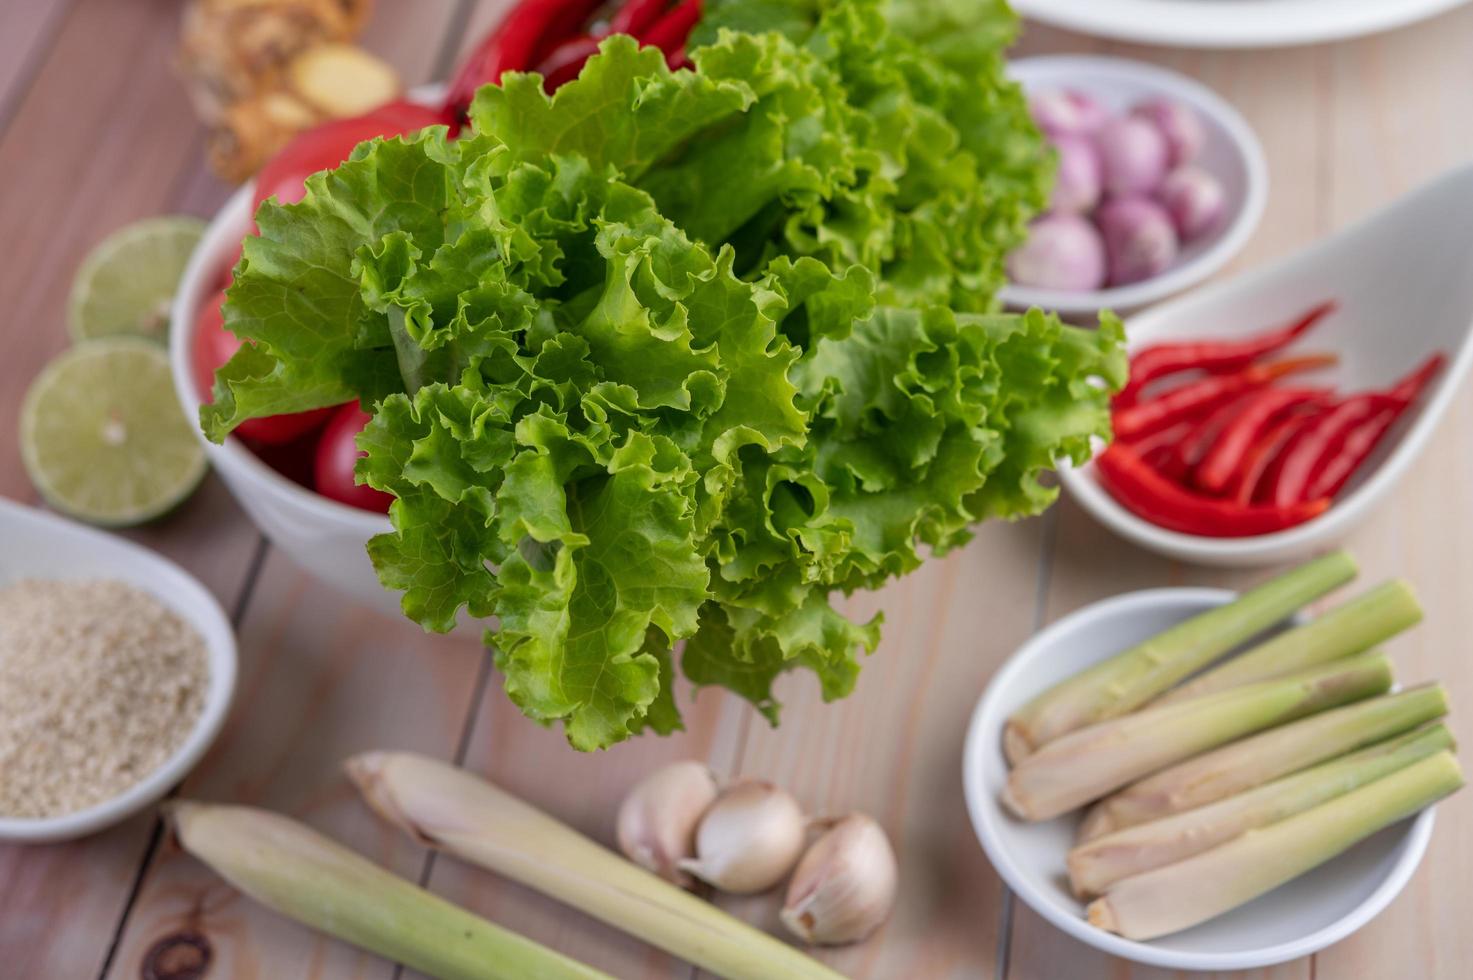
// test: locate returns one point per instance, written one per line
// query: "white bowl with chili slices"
(1399, 280)
(41, 546)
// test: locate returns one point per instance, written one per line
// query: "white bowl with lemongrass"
(114, 701)
(1242, 811)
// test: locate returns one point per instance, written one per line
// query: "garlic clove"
(656, 827)
(749, 838)
(845, 885)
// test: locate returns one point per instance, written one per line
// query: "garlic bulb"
(657, 820)
(748, 839)
(844, 886)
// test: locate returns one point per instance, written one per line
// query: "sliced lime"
(126, 284)
(103, 436)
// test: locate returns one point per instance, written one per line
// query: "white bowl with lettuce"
(673, 358)
(323, 536)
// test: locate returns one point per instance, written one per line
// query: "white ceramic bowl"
(1402, 279)
(39, 545)
(323, 536)
(1296, 919)
(1232, 23)
(1232, 153)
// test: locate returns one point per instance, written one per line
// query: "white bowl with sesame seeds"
(45, 547)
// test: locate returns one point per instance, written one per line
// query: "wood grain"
(99, 134)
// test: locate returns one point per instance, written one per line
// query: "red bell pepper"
(518, 43)
(1160, 360)
(1153, 497)
(1207, 394)
(1238, 437)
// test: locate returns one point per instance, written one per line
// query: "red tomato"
(337, 452)
(213, 346)
(324, 147)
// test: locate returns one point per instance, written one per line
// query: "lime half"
(104, 438)
(127, 283)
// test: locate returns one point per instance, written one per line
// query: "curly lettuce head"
(660, 363)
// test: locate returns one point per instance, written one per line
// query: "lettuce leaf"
(662, 363)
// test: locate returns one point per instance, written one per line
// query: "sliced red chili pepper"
(671, 31)
(1411, 387)
(1331, 473)
(566, 61)
(1207, 394)
(1159, 448)
(515, 44)
(637, 16)
(1334, 472)
(1304, 459)
(1153, 497)
(1249, 475)
(1194, 448)
(1160, 360)
(1238, 437)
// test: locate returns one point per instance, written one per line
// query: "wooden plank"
(1395, 99)
(27, 28)
(320, 680)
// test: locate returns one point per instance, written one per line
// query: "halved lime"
(103, 436)
(126, 284)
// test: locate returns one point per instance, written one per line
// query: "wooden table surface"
(95, 132)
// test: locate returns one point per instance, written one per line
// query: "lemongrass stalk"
(1085, 765)
(1189, 892)
(1131, 678)
(463, 815)
(1095, 866)
(303, 875)
(1253, 761)
(1344, 631)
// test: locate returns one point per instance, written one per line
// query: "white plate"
(1231, 23)
(40, 545)
(1294, 920)
(1231, 153)
(1402, 279)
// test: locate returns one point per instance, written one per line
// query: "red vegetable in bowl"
(1230, 454)
(1063, 251)
(1208, 393)
(1245, 482)
(1161, 360)
(522, 38)
(213, 346)
(323, 147)
(1148, 494)
(338, 454)
(1231, 447)
(1140, 239)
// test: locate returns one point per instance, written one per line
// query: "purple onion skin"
(1140, 240)
(1133, 156)
(1194, 199)
(1066, 112)
(1179, 125)
(1063, 251)
(1077, 183)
